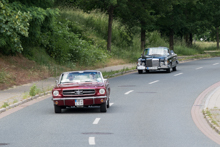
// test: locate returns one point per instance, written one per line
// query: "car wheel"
(174, 68)
(170, 69)
(108, 105)
(140, 71)
(57, 109)
(103, 107)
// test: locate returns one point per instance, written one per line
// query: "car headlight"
(139, 62)
(102, 91)
(55, 93)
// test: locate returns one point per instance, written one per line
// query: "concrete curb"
(23, 101)
(211, 124)
(120, 73)
(206, 116)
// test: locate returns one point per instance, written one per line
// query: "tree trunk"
(171, 40)
(217, 37)
(110, 20)
(143, 31)
(190, 39)
(187, 40)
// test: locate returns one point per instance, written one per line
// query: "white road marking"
(91, 140)
(216, 64)
(178, 74)
(96, 121)
(199, 68)
(129, 91)
(111, 104)
(154, 82)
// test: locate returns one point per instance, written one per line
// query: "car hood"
(77, 85)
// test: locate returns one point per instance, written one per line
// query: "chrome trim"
(74, 98)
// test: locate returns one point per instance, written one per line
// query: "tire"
(174, 68)
(170, 69)
(103, 107)
(108, 105)
(140, 71)
(57, 109)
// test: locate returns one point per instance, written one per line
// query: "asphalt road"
(150, 109)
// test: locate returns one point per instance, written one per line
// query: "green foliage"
(66, 46)
(14, 24)
(34, 90)
(42, 22)
(37, 3)
(5, 105)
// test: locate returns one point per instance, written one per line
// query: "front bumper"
(87, 101)
(152, 68)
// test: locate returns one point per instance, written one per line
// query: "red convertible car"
(81, 89)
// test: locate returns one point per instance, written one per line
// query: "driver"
(71, 77)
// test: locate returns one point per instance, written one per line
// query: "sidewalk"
(16, 94)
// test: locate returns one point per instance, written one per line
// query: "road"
(150, 109)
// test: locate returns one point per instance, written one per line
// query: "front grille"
(152, 62)
(78, 92)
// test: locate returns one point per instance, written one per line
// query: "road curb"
(206, 116)
(211, 124)
(23, 101)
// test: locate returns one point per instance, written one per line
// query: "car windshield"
(156, 52)
(78, 77)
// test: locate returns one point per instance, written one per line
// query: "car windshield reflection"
(81, 77)
(156, 52)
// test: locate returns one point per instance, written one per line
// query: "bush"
(34, 90)
(65, 46)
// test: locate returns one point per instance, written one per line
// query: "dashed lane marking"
(154, 82)
(215, 63)
(129, 92)
(91, 140)
(111, 104)
(96, 121)
(178, 74)
(199, 68)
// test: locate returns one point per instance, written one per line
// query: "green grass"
(112, 74)
(5, 105)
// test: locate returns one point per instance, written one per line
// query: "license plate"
(79, 102)
(151, 67)
(141, 67)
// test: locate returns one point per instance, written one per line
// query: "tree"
(13, 24)
(107, 6)
(144, 14)
(210, 15)
(180, 20)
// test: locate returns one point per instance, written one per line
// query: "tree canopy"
(33, 23)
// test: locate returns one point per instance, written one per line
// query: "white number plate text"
(79, 102)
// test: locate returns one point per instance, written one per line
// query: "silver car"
(157, 58)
